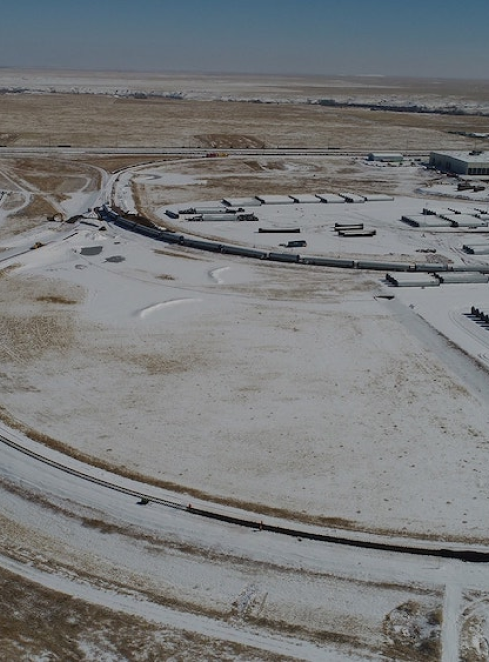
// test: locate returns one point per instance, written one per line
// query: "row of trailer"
(108, 215)
(236, 207)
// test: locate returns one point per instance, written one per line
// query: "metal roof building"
(425, 221)
(330, 197)
(461, 163)
(241, 202)
(412, 280)
(302, 198)
(274, 199)
(454, 278)
(464, 220)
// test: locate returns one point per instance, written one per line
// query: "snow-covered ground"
(428, 95)
(318, 396)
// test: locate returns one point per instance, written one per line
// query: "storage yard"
(249, 398)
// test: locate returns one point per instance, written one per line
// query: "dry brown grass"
(38, 207)
(89, 120)
(413, 633)
(25, 337)
(53, 298)
(25, 340)
(229, 141)
(47, 182)
(38, 623)
(116, 163)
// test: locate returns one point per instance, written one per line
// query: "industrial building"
(461, 163)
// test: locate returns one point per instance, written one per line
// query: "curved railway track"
(467, 555)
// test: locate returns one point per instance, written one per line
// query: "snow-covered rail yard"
(150, 380)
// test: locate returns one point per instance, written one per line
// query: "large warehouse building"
(461, 163)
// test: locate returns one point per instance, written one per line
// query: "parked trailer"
(356, 233)
(348, 226)
(247, 217)
(295, 244)
(216, 210)
(245, 252)
(216, 217)
(284, 257)
(283, 230)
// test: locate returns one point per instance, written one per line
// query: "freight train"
(170, 237)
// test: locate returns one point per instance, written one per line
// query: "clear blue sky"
(446, 38)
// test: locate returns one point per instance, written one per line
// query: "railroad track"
(467, 555)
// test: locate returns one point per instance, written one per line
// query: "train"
(171, 237)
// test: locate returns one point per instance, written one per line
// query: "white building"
(461, 163)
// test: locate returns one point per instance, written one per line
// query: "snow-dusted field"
(449, 95)
(285, 387)
(323, 398)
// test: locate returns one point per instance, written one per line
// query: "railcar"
(245, 252)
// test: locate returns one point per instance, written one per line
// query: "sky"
(428, 38)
